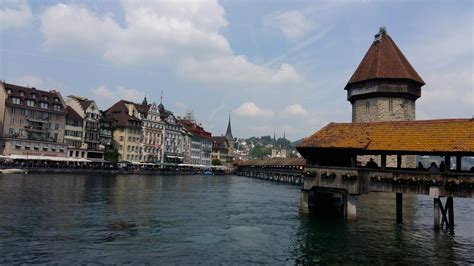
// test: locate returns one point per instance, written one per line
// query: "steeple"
(145, 102)
(228, 133)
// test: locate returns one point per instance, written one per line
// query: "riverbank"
(111, 171)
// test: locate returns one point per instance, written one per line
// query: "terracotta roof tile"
(274, 161)
(72, 114)
(384, 60)
(423, 136)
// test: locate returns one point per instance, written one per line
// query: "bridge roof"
(274, 161)
(412, 137)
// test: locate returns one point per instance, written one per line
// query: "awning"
(46, 158)
(97, 160)
(172, 156)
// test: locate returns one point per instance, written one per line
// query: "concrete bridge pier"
(328, 202)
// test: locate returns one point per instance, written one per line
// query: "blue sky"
(278, 65)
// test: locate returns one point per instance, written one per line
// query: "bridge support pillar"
(399, 208)
(351, 209)
(436, 213)
(304, 201)
(450, 208)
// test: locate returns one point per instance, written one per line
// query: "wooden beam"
(399, 208)
(399, 161)
(447, 163)
(436, 213)
(450, 208)
(383, 161)
(458, 162)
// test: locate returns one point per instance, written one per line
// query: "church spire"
(228, 133)
(145, 102)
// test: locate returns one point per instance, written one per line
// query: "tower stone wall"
(383, 109)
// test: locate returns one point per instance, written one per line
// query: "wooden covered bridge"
(336, 172)
(289, 170)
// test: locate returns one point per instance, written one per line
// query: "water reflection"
(374, 238)
(201, 220)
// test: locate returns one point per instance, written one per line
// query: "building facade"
(200, 142)
(91, 116)
(127, 134)
(223, 147)
(152, 132)
(32, 122)
(73, 134)
(384, 87)
(173, 138)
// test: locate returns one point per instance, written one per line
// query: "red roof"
(420, 136)
(384, 60)
(195, 129)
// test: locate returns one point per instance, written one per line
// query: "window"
(57, 126)
(13, 110)
(45, 97)
(390, 105)
(9, 91)
(33, 95)
(56, 99)
(30, 103)
(367, 106)
(12, 121)
(11, 131)
(22, 94)
(44, 105)
(57, 107)
(15, 100)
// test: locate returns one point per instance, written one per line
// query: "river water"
(217, 219)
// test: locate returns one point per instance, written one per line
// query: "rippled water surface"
(221, 219)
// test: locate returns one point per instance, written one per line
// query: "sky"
(276, 66)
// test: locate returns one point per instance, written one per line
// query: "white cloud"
(15, 14)
(30, 81)
(237, 70)
(105, 97)
(250, 109)
(185, 36)
(295, 110)
(69, 26)
(451, 91)
(293, 24)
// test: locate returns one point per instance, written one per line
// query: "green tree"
(111, 155)
(216, 162)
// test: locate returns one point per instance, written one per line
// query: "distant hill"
(296, 143)
(261, 147)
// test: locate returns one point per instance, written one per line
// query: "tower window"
(390, 105)
(367, 106)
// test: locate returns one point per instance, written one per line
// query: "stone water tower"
(384, 87)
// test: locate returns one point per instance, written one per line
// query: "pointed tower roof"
(228, 133)
(384, 60)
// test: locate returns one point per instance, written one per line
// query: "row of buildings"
(42, 125)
